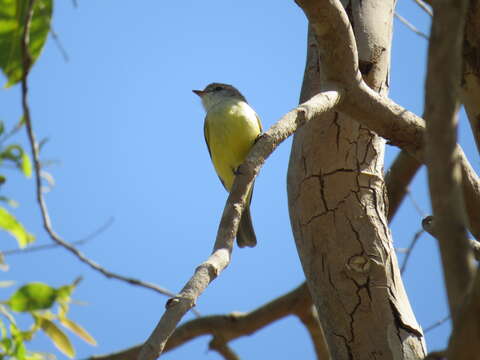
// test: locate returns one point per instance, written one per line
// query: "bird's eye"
(218, 88)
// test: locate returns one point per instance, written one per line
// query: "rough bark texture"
(338, 212)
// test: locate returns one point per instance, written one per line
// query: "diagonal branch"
(409, 25)
(424, 7)
(42, 247)
(234, 325)
(397, 179)
(27, 62)
(220, 257)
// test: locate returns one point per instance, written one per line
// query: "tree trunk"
(338, 206)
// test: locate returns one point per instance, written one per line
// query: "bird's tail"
(246, 234)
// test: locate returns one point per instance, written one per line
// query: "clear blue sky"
(126, 133)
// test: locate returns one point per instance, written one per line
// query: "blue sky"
(126, 135)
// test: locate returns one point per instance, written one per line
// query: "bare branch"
(83, 241)
(470, 82)
(309, 317)
(220, 257)
(407, 131)
(409, 25)
(220, 346)
(436, 324)
(234, 325)
(409, 250)
(37, 169)
(444, 173)
(59, 44)
(424, 6)
(397, 179)
(466, 325)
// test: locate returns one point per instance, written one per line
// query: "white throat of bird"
(210, 100)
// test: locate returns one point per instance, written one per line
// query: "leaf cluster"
(48, 308)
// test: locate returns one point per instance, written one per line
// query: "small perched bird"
(231, 128)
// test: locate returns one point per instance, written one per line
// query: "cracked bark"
(337, 205)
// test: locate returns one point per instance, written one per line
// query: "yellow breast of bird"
(231, 128)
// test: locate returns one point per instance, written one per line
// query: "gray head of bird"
(215, 93)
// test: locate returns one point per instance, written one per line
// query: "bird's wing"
(205, 134)
(259, 123)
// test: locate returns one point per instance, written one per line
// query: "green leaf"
(26, 165)
(12, 152)
(2, 127)
(59, 338)
(13, 15)
(33, 296)
(37, 356)
(64, 293)
(10, 224)
(78, 330)
(7, 344)
(20, 351)
(2, 178)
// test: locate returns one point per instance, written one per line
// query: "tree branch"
(309, 317)
(465, 339)
(444, 173)
(409, 25)
(397, 179)
(27, 62)
(424, 6)
(220, 257)
(221, 347)
(234, 325)
(406, 130)
(470, 82)
(36, 248)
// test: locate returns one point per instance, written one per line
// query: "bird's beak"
(199, 92)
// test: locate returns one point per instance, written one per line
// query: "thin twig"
(59, 44)
(408, 250)
(409, 25)
(436, 324)
(415, 204)
(82, 241)
(38, 182)
(424, 7)
(12, 132)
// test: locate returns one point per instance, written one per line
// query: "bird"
(231, 128)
